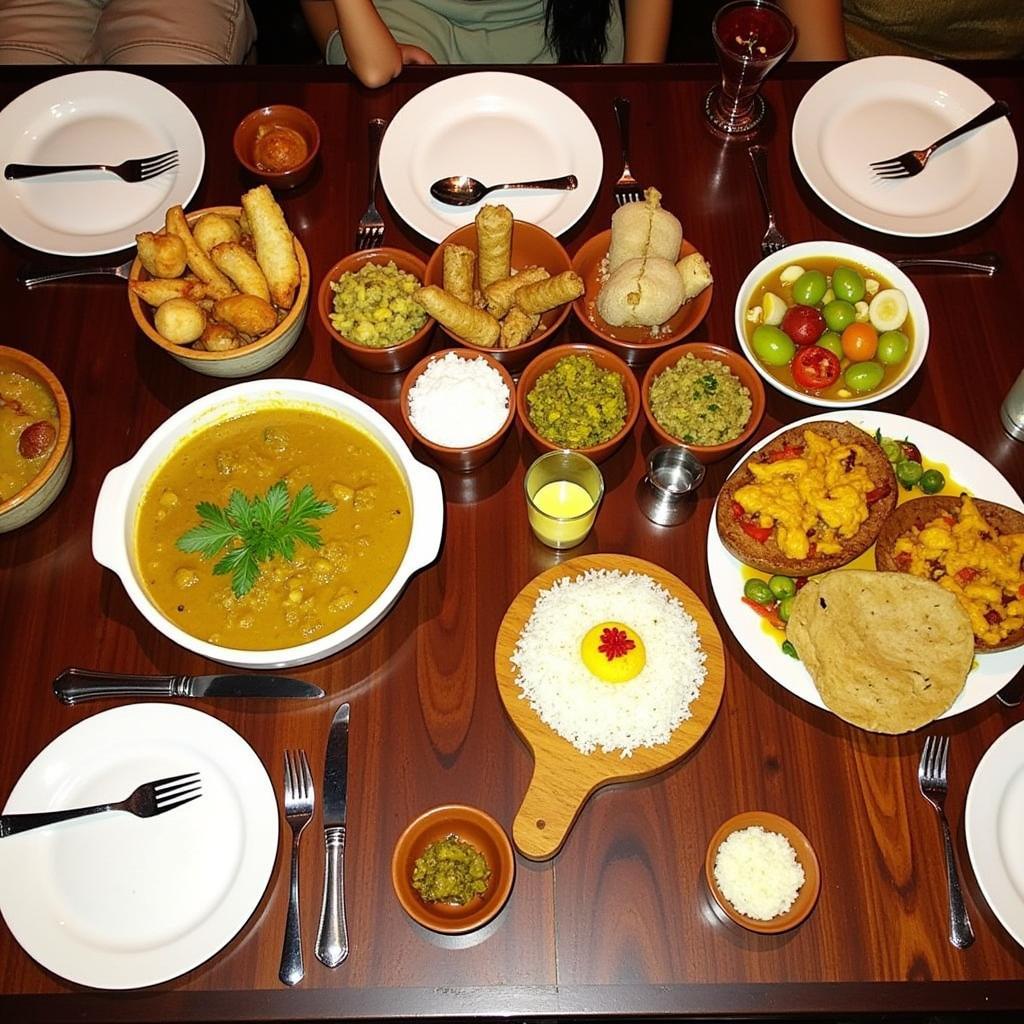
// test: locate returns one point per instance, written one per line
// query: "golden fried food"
(275, 250)
(494, 244)
(517, 326)
(469, 323)
(500, 294)
(162, 255)
(233, 259)
(157, 290)
(180, 321)
(696, 275)
(214, 228)
(201, 264)
(459, 271)
(246, 313)
(218, 338)
(551, 292)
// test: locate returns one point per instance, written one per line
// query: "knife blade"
(75, 685)
(1012, 693)
(332, 936)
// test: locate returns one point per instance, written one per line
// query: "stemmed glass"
(751, 37)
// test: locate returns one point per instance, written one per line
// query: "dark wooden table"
(618, 922)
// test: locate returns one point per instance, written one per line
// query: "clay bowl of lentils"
(459, 405)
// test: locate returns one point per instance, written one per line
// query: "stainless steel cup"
(673, 473)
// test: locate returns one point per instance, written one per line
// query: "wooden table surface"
(619, 921)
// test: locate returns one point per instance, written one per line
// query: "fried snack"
(471, 324)
(180, 321)
(202, 266)
(643, 229)
(551, 292)
(459, 269)
(275, 250)
(213, 228)
(494, 244)
(500, 294)
(161, 255)
(157, 291)
(517, 327)
(641, 293)
(246, 313)
(234, 260)
(696, 275)
(218, 338)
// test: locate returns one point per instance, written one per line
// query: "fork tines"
(369, 237)
(177, 790)
(151, 166)
(934, 761)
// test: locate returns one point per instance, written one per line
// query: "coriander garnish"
(256, 529)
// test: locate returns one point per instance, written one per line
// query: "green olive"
(759, 591)
(893, 452)
(809, 287)
(833, 343)
(839, 314)
(932, 481)
(847, 284)
(892, 347)
(786, 608)
(773, 346)
(864, 376)
(908, 473)
(782, 586)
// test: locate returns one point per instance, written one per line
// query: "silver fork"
(141, 169)
(931, 777)
(370, 232)
(773, 239)
(627, 188)
(148, 800)
(911, 163)
(298, 809)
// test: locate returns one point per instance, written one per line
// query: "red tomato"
(804, 324)
(860, 342)
(815, 367)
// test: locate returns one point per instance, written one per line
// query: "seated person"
(125, 31)
(377, 37)
(936, 29)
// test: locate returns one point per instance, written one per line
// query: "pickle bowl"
(277, 115)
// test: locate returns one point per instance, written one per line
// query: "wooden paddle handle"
(549, 808)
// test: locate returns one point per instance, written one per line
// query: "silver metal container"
(1011, 412)
(673, 474)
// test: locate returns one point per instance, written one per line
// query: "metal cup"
(673, 473)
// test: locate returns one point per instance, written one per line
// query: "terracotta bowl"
(531, 246)
(739, 366)
(605, 359)
(474, 827)
(635, 344)
(284, 116)
(461, 459)
(239, 362)
(39, 493)
(806, 898)
(381, 360)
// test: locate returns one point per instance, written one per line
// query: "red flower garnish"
(614, 643)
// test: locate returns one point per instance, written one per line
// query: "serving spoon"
(461, 190)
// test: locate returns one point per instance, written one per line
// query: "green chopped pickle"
(700, 401)
(373, 306)
(450, 871)
(577, 404)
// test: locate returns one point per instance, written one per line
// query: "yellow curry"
(361, 532)
(28, 430)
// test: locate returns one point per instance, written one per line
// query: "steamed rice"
(581, 708)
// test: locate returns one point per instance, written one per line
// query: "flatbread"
(887, 651)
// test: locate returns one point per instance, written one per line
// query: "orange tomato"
(860, 342)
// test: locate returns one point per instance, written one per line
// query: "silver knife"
(332, 938)
(75, 685)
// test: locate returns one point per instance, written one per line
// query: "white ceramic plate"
(966, 467)
(115, 901)
(880, 107)
(992, 820)
(495, 127)
(94, 117)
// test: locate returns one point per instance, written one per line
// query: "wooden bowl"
(239, 362)
(392, 358)
(277, 115)
(637, 345)
(606, 360)
(39, 493)
(739, 366)
(461, 460)
(806, 898)
(473, 826)
(531, 246)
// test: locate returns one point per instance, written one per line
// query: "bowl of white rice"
(762, 872)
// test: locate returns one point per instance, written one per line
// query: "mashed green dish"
(700, 401)
(374, 306)
(450, 871)
(577, 404)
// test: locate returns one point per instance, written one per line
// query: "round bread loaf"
(641, 293)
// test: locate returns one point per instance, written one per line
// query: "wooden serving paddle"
(563, 778)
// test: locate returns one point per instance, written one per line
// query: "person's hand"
(415, 55)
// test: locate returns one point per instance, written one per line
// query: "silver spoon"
(460, 190)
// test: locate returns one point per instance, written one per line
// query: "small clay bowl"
(40, 492)
(637, 345)
(531, 246)
(806, 898)
(237, 362)
(462, 460)
(283, 116)
(474, 827)
(393, 358)
(740, 368)
(605, 359)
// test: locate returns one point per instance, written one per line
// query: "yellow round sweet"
(613, 652)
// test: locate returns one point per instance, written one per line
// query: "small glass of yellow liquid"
(563, 492)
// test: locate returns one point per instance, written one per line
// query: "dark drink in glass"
(751, 37)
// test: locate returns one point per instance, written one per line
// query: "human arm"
(647, 26)
(819, 28)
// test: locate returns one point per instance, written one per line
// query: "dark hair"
(577, 30)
